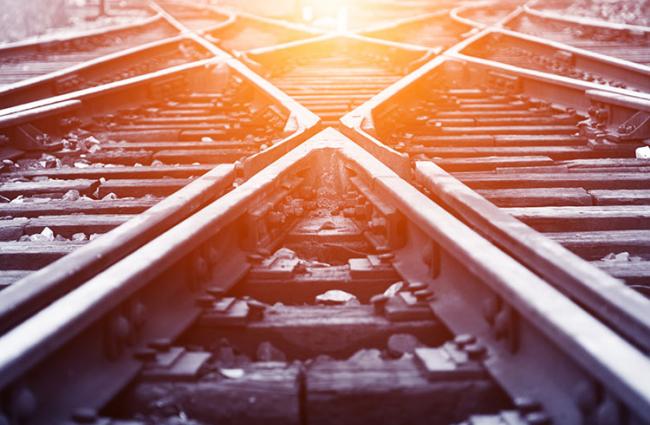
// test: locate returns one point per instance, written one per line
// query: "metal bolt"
(608, 413)
(423, 295)
(205, 301)
(256, 309)
(216, 292)
(538, 418)
(84, 415)
(416, 286)
(586, 396)
(161, 344)
(145, 354)
(527, 405)
(213, 255)
(475, 351)
(464, 340)
(200, 266)
(387, 258)
(501, 323)
(138, 314)
(348, 212)
(254, 258)
(120, 327)
(23, 404)
(360, 211)
(379, 303)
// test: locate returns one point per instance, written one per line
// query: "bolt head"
(423, 295)
(586, 396)
(464, 340)
(379, 302)
(145, 354)
(501, 323)
(161, 344)
(416, 286)
(216, 292)
(121, 327)
(85, 415)
(200, 266)
(205, 301)
(256, 309)
(387, 257)
(475, 351)
(23, 403)
(527, 404)
(254, 258)
(538, 418)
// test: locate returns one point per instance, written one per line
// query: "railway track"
(134, 62)
(522, 51)
(77, 168)
(253, 221)
(523, 145)
(485, 14)
(247, 32)
(629, 43)
(329, 76)
(437, 30)
(22, 61)
(628, 13)
(210, 270)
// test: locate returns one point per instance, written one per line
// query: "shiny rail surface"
(430, 213)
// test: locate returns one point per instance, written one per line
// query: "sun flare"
(333, 14)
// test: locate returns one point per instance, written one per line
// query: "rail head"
(303, 118)
(622, 308)
(41, 287)
(640, 104)
(90, 93)
(567, 334)
(558, 80)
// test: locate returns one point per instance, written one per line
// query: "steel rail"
(590, 22)
(552, 330)
(456, 52)
(79, 36)
(44, 86)
(620, 307)
(622, 63)
(401, 52)
(302, 123)
(25, 297)
(279, 23)
(217, 52)
(40, 288)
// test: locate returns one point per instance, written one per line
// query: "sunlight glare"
(331, 14)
